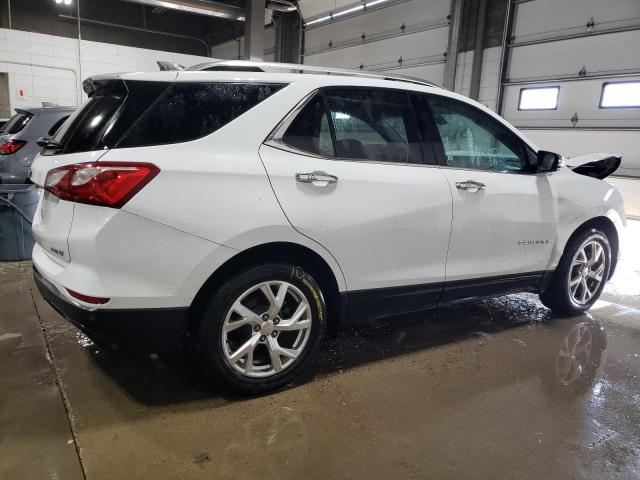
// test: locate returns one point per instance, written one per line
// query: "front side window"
(472, 139)
(376, 125)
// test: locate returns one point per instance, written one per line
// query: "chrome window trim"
(275, 140)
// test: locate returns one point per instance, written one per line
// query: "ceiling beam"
(200, 7)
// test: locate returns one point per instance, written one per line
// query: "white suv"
(250, 208)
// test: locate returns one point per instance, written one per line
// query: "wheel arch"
(304, 256)
(606, 225)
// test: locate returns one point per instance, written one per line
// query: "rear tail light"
(108, 184)
(11, 146)
(87, 298)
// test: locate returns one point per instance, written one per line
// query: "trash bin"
(18, 204)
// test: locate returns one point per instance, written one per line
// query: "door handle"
(470, 186)
(317, 178)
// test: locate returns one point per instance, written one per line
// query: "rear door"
(349, 172)
(505, 216)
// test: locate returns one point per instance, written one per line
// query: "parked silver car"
(18, 137)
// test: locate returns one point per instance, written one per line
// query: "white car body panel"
(214, 199)
(492, 227)
(386, 224)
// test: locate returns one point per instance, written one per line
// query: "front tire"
(581, 274)
(262, 328)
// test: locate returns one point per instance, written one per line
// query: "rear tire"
(262, 328)
(581, 274)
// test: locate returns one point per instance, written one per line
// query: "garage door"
(406, 37)
(572, 76)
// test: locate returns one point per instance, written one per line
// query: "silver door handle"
(317, 178)
(470, 186)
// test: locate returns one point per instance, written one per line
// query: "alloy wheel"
(266, 329)
(587, 271)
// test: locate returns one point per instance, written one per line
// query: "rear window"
(187, 111)
(136, 114)
(16, 123)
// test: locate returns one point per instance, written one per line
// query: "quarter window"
(186, 111)
(472, 139)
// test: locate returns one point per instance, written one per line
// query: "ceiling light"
(348, 10)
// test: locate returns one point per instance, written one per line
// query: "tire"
(559, 295)
(244, 343)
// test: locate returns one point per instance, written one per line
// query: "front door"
(349, 172)
(505, 215)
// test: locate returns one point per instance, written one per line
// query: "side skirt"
(361, 306)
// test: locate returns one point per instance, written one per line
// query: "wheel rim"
(266, 329)
(587, 271)
(575, 355)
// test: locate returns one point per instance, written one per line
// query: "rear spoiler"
(596, 165)
(164, 66)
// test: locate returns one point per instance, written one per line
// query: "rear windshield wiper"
(45, 142)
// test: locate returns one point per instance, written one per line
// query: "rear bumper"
(157, 330)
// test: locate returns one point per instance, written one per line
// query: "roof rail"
(252, 66)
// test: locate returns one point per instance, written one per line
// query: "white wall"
(234, 49)
(488, 79)
(415, 31)
(51, 69)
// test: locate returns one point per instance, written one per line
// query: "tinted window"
(472, 139)
(374, 125)
(86, 126)
(187, 111)
(16, 123)
(310, 129)
(54, 128)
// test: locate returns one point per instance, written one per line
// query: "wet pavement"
(494, 389)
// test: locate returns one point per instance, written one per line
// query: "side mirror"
(548, 161)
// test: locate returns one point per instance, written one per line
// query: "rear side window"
(376, 125)
(16, 123)
(186, 111)
(358, 124)
(140, 113)
(310, 130)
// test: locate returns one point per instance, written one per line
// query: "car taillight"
(108, 184)
(11, 146)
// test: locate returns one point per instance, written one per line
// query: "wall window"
(620, 95)
(377, 125)
(538, 98)
(472, 139)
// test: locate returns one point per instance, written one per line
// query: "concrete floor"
(467, 392)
